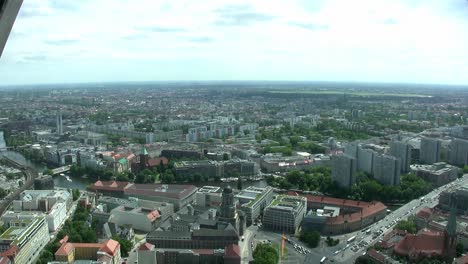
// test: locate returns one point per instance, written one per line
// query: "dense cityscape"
(233, 172)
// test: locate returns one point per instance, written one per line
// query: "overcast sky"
(417, 41)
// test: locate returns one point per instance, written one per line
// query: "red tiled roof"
(110, 246)
(146, 246)
(203, 251)
(376, 255)
(153, 215)
(365, 209)
(426, 243)
(157, 161)
(109, 185)
(425, 213)
(232, 251)
(65, 249)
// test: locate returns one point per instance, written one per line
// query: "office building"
(24, 239)
(430, 150)
(54, 203)
(209, 196)
(438, 174)
(165, 209)
(458, 154)
(285, 213)
(344, 170)
(106, 252)
(148, 254)
(139, 218)
(253, 200)
(402, 151)
(194, 239)
(386, 169)
(177, 194)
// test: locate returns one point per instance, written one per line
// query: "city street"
(387, 224)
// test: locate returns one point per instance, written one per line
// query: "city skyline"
(371, 41)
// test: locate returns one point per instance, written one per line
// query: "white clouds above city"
(111, 40)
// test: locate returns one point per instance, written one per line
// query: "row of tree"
(366, 187)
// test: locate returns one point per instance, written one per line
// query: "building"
(430, 150)
(107, 252)
(209, 196)
(208, 168)
(177, 194)
(285, 213)
(461, 203)
(141, 219)
(364, 155)
(402, 151)
(253, 200)
(148, 254)
(54, 203)
(165, 209)
(8, 11)
(59, 122)
(458, 154)
(228, 212)
(431, 244)
(344, 168)
(44, 182)
(194, 239)
(333, 216)
(24, 239)
(386, 169)
(438, 174)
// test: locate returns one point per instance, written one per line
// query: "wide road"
(348, 255)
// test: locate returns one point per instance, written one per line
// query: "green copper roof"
(123, 161)
(144, 151)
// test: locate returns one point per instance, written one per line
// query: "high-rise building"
(8, 11)
(59, 123)
(344, 169)
(430, 150)
(402, 151)
(363, 154)
(386, 169)
(458, 154)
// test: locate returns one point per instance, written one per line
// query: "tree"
(460, 249)
(3, 193)
(122, 177)
(364, 260)
(125, 245)
(310, 237)
(408, 225)
(75, 194)
(239, 183)
(332, 242)
(265, 254)
(225, 156)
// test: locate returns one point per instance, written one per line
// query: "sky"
(397, 41)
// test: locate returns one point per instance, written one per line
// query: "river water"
(81, 183)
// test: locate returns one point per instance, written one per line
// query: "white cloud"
(364, 40)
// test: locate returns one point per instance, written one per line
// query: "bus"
(351, 239)
(323, 260)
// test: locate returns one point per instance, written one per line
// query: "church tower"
(144, 157)
(451, 229)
